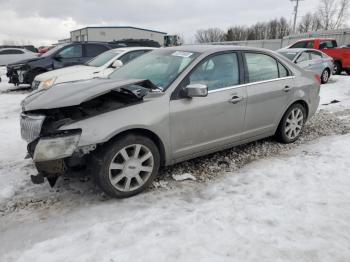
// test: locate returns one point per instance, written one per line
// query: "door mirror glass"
(58, 57)
(117, 64)
(196, 90)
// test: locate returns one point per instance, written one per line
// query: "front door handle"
(235, 99)
(287, 88)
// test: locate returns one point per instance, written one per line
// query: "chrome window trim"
(250, 84)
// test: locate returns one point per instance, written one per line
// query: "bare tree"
(284, 28)
(237, 33)
(209, 35)
(332, 13)
(273, 29)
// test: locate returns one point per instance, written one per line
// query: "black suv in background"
(76, 53)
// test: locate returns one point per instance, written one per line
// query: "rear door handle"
(287, 88)
(235, 99)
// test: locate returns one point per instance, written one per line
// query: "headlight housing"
(56, 147)
(46, 84)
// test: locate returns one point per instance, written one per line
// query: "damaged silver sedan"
(170, 105)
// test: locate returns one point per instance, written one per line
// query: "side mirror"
(117, 64)
(58, 57)
(196, 90)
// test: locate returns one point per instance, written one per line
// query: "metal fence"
(341, 35)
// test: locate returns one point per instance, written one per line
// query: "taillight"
(318, 78)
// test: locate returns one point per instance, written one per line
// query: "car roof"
(214, 48)
(127, 49)
(11, 48)
(296, 50)
(314, 38)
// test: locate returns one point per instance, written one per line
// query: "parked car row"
(100, 66)
(14, 55)
(312, 60)
(329, 46)
(163, 107)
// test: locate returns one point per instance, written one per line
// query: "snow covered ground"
(273, 202)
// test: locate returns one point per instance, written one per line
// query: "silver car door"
(202, 124)
(268, 93)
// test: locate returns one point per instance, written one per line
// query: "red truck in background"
(329, 46)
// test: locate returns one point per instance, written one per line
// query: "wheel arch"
(303, 103)
(299, 101)
(147, 133)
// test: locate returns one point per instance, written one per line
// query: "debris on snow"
(182, 177)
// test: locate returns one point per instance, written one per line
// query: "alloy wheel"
(294, 123)
(325, 76)
(131, 167)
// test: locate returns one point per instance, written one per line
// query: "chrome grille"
(31, 126)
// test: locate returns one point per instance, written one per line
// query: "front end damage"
(19, 74)
(56, 152)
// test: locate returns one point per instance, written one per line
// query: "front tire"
(325, 76)
(126, 166)
(292, 124)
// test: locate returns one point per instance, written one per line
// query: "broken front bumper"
(18, 75)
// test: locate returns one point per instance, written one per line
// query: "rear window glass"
(303, 44)
(261, 67)
(328, 44)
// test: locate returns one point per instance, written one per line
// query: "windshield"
(161, 67)
(289, 54)
(103, 58)
(52, 50)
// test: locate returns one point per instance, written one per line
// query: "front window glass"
(303, 44)
(315, 55)
(261, 67)
(103, 58)
(131, 56)
(217, 72)
(71, 52)
(304, 56)
(52, 50)
(161, 67)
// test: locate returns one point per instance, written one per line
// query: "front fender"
(152, 116)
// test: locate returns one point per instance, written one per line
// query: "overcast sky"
(45, 21)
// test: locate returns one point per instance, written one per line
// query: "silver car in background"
(167, 106)
(312, 60)
(14, 55)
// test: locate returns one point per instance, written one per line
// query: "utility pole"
(295, 13)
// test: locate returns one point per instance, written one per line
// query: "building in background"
(115, 33)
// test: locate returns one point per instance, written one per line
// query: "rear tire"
(292, 124)
(337, 69)
(325, 76)
(126, 166)
(347, 71)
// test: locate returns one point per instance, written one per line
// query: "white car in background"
(100, 66)
(14, 55)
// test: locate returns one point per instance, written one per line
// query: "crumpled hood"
(65, 72)
(75, 93)
(25, 61)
